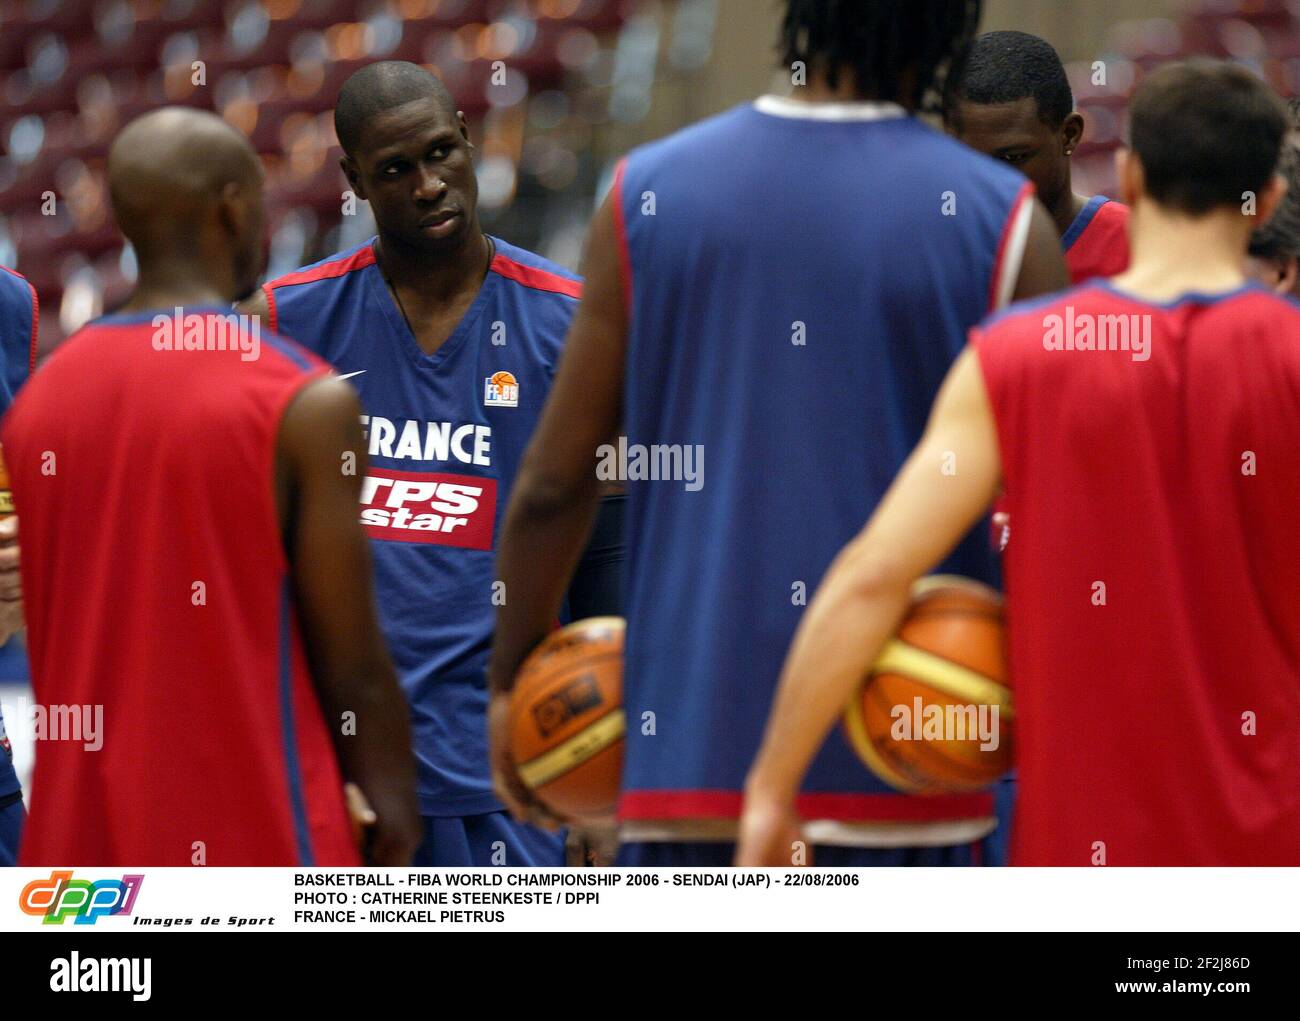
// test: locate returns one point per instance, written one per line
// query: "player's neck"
(435, 277)
(1175, 254)
(1066, 209)
(169, 286)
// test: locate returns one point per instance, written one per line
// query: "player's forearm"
(370, 722)
(545, 531)
(854, 612)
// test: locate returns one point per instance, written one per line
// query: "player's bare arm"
(555, 496)
(1042, 270)
(864, 595)
(256, 305)
(321, 465)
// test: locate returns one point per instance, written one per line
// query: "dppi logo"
(61, 896)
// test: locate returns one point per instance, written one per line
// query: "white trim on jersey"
(784, 106)
(828, 832)
(1008, 271)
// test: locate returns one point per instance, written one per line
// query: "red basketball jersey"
(1152, 586)
(1096, 245)
(158, 604)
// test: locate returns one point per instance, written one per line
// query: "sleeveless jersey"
(799, 280)
(1150, 466)
(164, 646)
(446, 434)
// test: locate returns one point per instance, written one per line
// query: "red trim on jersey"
(272, 315)
(36, 327)
(620, 228)
(1101, 248)
(359, 259)
(1026, 192)
(846, 807)
(36, 317)
(537, 279)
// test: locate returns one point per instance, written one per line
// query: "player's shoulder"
(1099, 216)
(330, 268)
(709, 132)
(1112, 212)
(20, 311)
(294, 355)
(15, 288)
(546, 280)
(171, 329)
(1026, 318)
(1257, 304)
(20, 308)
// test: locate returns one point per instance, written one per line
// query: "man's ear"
(232, 209)
(1128, 172)
(1289, 276)
(1288, 272)
(1269, 198)
(1071, 132)
(463, 124)
(353, 175)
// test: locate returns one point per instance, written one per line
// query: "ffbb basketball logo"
(501, 390)
(61, 897)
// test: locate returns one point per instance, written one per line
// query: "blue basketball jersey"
(799, 280)
(446, 432)
(19, 311)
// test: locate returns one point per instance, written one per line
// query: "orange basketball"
(566, 718)
(934, 715)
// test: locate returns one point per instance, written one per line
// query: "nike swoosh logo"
(349, 375)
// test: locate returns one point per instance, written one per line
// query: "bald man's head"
(186, 185)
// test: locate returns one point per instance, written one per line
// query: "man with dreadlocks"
(779, 291)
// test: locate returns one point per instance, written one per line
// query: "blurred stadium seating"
(1261, 34)
(72, 72)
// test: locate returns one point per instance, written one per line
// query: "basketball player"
(19, 322)
(745, 308)
(1014, 102)
(197, 587)
(1273, 255)
(1157, 688)
(451, 338)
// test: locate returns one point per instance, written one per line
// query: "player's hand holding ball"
(510, 789)
(557, 738)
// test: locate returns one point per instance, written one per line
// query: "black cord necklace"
(492, 254)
